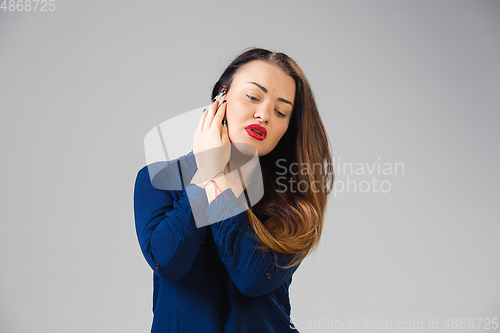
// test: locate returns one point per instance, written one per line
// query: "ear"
(222, 88)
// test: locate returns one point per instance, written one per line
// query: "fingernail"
(204, 110)
(223, 102)
(224, 122)
(213, 100)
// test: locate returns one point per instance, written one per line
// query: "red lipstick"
(256, 131)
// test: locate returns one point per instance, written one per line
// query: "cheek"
(280, 132)
(233, 113)
(232, 121)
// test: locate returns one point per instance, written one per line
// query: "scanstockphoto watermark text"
(373, 177)
(438, 324)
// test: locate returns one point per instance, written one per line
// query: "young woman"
(233, 273)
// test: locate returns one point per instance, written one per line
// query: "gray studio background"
(410, 82)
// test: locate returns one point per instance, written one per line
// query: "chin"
(258, 145)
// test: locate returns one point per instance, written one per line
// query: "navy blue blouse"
(212, 278)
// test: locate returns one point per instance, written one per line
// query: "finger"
(202, 120)
(224, 136)
(211, 112)
(225, 142)
(219, 115)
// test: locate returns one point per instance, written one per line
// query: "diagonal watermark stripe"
(171, 169)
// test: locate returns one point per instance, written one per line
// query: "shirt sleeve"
(253, 270)
(167, 233)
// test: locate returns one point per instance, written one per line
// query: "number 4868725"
(28, 5)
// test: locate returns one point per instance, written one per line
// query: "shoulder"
(164, 175)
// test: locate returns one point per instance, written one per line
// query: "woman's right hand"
(211, 145)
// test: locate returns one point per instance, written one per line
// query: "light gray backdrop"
(409, 82)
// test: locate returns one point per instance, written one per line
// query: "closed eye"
(252, 98)
(255, 99)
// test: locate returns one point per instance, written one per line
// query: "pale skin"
(260, 93)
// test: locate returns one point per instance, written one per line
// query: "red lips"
(256, 131)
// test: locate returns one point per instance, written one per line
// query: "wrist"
(215, 186)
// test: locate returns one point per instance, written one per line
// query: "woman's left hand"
(211, 145)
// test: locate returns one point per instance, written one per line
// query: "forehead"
(268, 75)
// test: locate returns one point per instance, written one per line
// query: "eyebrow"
(265, 90)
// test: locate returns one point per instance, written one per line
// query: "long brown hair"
(294, 215)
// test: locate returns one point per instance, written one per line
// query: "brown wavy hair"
(294, 218)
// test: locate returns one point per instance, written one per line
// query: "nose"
(263, 113)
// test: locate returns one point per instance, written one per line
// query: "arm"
(252, 270)
(167, 234)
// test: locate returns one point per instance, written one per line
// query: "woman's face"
(260, 94)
